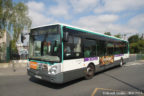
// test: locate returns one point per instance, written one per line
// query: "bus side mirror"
(65, 37)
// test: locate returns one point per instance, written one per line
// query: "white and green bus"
(60, 53)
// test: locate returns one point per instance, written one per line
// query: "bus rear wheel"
(90, 72)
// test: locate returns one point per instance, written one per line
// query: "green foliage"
(108, 33)
(136, 44)
(2, 47)
(134, 48)
(118, 35)
(22, 21)
(3, 15)
(134, 38)
(13, 18)
(13, 47)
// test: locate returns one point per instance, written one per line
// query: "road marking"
(96, 89)
(132, 64)
(94, 92)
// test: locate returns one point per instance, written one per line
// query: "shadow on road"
(130, 85)
(60, 86)
(52, 85)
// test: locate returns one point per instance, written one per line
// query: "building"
(5, 47)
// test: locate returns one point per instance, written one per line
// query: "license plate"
(33, 65)
(39, 77)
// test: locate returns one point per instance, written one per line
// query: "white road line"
(134, 63)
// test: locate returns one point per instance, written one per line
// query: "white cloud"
(60, 10)
(42, 15)
(103, 23)
(99, 19)
(36, 6)
(116, 28)
(39, 19)
(119, 5)
(36, 10)
(137, 21)
(83, 5)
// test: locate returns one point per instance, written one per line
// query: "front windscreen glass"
(45, 44)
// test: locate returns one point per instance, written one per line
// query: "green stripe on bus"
(42, 62)
(93, 33)
(62, 41)
(128, 49)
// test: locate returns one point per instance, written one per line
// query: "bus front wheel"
(90, 71)
(121, 62)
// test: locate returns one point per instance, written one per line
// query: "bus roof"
(83, 30)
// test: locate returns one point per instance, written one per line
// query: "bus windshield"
(45, 44)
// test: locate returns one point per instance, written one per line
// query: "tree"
(13, 47)
(5, 7)
(118, 35)
(136, 44)
(108, 33)
(133, 38)
(22, 21)
(134, 48)
(141, 46)
(13, 18)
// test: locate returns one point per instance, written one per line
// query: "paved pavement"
(126, 79)
(13, 71)
(14, 63)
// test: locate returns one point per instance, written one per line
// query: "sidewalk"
(11, 71)
(14, 63)
(16, 67)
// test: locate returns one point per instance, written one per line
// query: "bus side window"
(68, 48)
(90, 48)
(110, 48)
(101, 48)
(77, 46)
(87, 52)
(117, 49)
(125, 47)
(72, 48)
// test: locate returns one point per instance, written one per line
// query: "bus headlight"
(53, 70)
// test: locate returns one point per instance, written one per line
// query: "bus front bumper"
(43, 75)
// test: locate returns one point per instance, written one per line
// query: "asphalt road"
(129, 78)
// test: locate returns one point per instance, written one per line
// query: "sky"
(115, 16)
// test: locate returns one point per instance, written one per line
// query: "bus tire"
(90, 72)
(121, 62)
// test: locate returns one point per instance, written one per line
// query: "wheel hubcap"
(89, 71)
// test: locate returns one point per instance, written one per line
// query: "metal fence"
(140, 56)
(134, 57)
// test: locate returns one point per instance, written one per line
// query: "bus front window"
(45, 45)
